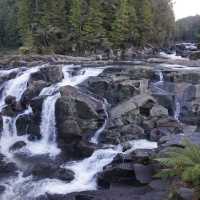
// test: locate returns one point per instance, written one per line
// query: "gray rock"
(185, 193)
(53, 74)
(159, 111)
(17, 146)
(143, 173)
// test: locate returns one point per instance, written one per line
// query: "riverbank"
(16, 61)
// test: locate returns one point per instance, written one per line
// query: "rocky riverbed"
(77, 128)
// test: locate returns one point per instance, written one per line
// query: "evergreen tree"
(164, 22)
(24, 21)
(9, 34)
(120, 27)
(133, 31)
(145, 21)
(75, 25)
(93, 31)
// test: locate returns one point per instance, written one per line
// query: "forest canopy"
(188, 29)
(85, 26)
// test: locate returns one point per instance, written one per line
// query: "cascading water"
(21, 188)
(96, 136)
(177, 109)
(17, 86)
(157, 86)
(48, 124)
(177, 103)
(85, 174)
(161, 77)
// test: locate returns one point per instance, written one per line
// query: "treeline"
(85, 26)
(188, 29)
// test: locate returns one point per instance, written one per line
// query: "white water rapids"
(20, 188)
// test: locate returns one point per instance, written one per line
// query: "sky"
(184, 8)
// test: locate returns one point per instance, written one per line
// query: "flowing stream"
(21, 188)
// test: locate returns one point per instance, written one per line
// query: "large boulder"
(122, 134)
(122, 173)
(120, 83)
(51, 74)
(114, 89)
(30, 123)
(52, 171)
(12, 107)
(7, 169)
(33, 90)
(77, 116)
(159, 111)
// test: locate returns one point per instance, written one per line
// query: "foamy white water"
(172, 56)
(17, 86)
(48, 124)
(85, 174)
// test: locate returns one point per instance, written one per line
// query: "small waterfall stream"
(161, 77)
(17, 86)
(158, 85)
(96, 136)
(177, 109)
(48, 124)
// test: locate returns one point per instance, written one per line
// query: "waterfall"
(9, 133)
(19, 187)
(96, 136)
(48, 124)
(177, 109)
(14, 87)
(17, 86)
(161, 76)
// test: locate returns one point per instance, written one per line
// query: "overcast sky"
(184, 8)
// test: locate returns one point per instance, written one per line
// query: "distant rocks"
(195, 55)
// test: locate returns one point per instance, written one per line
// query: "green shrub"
(24, 50)
(183, 163)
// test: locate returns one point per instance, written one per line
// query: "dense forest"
(85, 26)
(188, 29)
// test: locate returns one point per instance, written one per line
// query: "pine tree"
(93, 31)
(9, 34)
(145, 21)
(120, 27)
(124, 27)
(133, 31)
(24, 21)
(75, 25)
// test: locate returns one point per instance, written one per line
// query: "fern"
(182, 162)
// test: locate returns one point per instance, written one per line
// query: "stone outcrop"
(77, 117)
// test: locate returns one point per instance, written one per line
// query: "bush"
(183, 163)
(24, 50)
